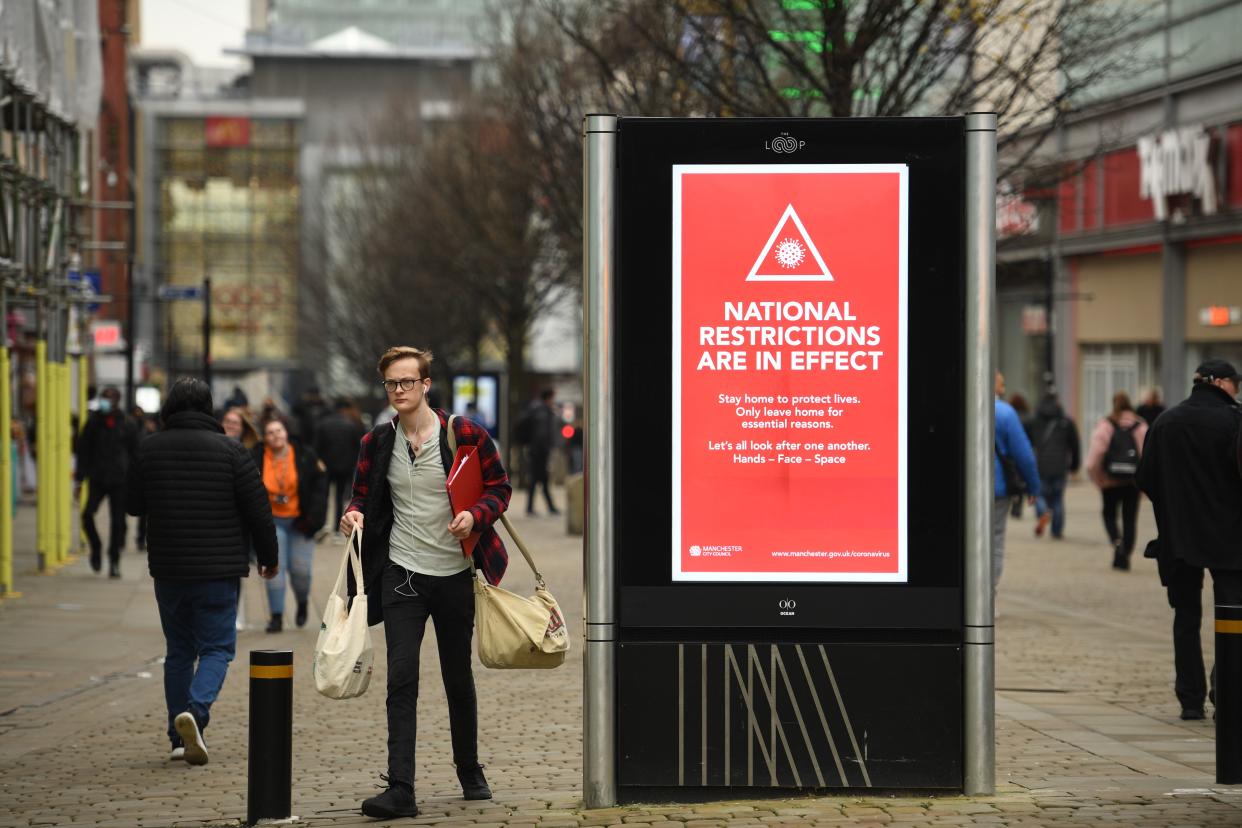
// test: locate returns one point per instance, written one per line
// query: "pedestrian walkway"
(1087, 726)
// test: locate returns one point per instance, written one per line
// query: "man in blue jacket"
(1013, 448)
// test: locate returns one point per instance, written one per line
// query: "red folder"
(465, 488)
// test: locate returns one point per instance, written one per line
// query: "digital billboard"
(789, 372)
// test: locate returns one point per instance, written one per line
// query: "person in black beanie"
(1190, 471)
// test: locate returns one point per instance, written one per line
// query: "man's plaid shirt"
(371, 479)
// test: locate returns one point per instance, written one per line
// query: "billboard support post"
(979, 766)
(599, 783)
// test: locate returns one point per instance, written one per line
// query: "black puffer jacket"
(312, 487)
(1190, 471)
(204, 501)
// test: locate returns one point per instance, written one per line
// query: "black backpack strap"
(446, 450)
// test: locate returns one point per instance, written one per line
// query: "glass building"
(223, 203)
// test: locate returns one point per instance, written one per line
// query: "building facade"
(1123, 269)
(222, 203)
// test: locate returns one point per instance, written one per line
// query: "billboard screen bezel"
(650, 602)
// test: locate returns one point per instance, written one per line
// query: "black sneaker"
(473, 783)
(114, 570)
(1192, 713)
(276, 624)
(302, 610)
(397, 801)
(96, 560)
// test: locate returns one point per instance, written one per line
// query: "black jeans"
(116, 517)
(1184, 584)
(538, 476)
(409, 599)
(344, 486)
(1127, 498)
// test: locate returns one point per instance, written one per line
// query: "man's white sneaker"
(177, 754)
(195, 746)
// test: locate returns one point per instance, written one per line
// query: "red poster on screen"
(789, 372)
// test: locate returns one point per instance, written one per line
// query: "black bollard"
(1228, 694)
(270, 778)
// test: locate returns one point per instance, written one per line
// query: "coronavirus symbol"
(790, 253)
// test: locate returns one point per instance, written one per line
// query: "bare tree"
(446, 245)
(1027, 60)
(383, 287)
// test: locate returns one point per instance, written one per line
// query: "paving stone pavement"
(1087, 727)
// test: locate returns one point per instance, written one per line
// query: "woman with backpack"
(1112, 461)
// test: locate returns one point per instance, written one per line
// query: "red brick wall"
(113, 147)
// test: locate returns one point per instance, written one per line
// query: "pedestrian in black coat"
(1190, 471)
(205, 506)
(1054, 438)
(104, 449)
(336, 441)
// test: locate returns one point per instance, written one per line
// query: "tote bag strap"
(521, 545)
(352, 558)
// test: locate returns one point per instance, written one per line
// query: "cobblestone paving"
(1087, 727)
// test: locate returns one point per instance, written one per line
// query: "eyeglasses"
(405, 384)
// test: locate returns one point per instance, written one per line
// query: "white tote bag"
(344, 655)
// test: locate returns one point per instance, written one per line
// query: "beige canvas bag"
(344, 655)
(516, 632)
(519, 632)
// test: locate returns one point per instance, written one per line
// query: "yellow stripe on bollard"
(278, 671)
(1227, 626)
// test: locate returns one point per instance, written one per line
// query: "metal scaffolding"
(39, 174)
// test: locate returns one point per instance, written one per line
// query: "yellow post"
(80, 534)
(43, 502)
(56, 530)
(6, 469)
(67, 545)
(56, 522)
(83, 377)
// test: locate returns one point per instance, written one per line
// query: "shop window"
(1107, 369)
(183, 132)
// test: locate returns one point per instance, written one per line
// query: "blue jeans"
(297, 554)
(1052, 497)
(199, 620)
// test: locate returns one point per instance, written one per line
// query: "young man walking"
(414, 568)
(205, 507)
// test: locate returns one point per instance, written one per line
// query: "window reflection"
(231, 212)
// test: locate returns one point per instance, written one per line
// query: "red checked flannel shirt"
(373, 498)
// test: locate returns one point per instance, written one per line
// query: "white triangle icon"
(822, 276)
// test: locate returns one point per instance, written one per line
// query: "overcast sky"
(200, 28)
